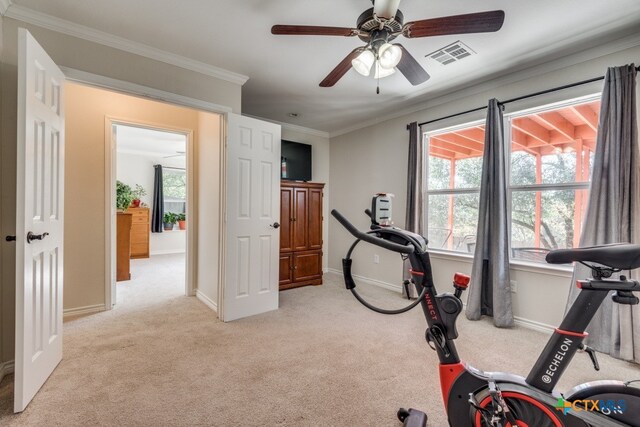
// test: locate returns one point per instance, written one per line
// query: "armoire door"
(286, 219)
(300, 219)
(315, 218)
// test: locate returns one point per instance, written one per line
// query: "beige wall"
(101, 60)
(374, 159)
(86, 109)
(320, 173)
(207, 160)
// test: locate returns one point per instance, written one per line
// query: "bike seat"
(624, 256)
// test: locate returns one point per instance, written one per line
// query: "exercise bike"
(476, 398)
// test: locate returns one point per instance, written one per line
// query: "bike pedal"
(412, 417)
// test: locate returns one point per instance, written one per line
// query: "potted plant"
(123, 196)
(182, 221)
(169, 219)
(137, 193)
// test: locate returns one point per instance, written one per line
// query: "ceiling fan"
(381, 24)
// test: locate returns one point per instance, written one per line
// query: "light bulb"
(363, 62)
(382, 72)
(390, 55)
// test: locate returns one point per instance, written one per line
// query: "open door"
(39, 222)
(251, 264)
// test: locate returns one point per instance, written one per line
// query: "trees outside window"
(551, 154)
(174, 183)
(551, 159)
(454, 166)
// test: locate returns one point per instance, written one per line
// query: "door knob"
(10, 238)
(275, 225)
(31, 237)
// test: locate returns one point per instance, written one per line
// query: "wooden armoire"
(300, 234)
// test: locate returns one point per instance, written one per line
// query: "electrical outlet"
(376, 259)
(514, 286)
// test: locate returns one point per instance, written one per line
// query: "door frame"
(110, 180)
(146, 92)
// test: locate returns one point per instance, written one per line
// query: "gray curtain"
(489, 290)
(613, 212)
(415, 182)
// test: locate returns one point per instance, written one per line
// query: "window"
(174, 184)
(454, 165)
(551, 159)
(551, 156)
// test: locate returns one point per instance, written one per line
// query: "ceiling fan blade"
(309, 30)
(411, 69)
(341, 69)
(386, 8)
(481, 22)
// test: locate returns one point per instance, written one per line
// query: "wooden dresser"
(300, 234)
(140, 229)
(123, 245)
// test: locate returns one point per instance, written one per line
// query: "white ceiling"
(284, 71)
(155, 143)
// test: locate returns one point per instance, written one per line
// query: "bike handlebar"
(395, 247)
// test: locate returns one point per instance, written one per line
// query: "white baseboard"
(79, 311)
(207, 301)
(168, 252)
(369, 281)
(6, 368)
(532, 324)
(520, 321)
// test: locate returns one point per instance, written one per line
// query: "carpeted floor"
(163, 359)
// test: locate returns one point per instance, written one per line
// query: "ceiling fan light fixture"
(363, 62)
(382, 71)
(390, 55)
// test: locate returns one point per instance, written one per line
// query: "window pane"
(453, 220)
(459, 151)
(545, 220)
(174, 183)
(556, 146)
(439, 173)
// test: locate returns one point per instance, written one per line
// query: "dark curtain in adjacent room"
(158, 201)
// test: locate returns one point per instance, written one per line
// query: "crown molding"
(506, 77)
(140, 90)
(4, 5)
(49, 22)
(293, 128)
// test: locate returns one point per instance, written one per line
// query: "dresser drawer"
(140, 219)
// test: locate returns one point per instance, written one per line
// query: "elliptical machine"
(476, 398)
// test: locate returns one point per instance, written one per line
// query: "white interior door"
(39, 222)
(252, 209)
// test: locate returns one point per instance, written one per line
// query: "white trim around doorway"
(110, 179)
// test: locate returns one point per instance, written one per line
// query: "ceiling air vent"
(451, 53)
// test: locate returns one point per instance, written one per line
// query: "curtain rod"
(519, 98)
(170, 167)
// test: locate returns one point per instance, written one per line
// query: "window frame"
(526, 265)
(443, 191)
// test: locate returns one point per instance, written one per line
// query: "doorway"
(150, 235)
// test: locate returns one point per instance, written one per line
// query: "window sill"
(518, 265)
